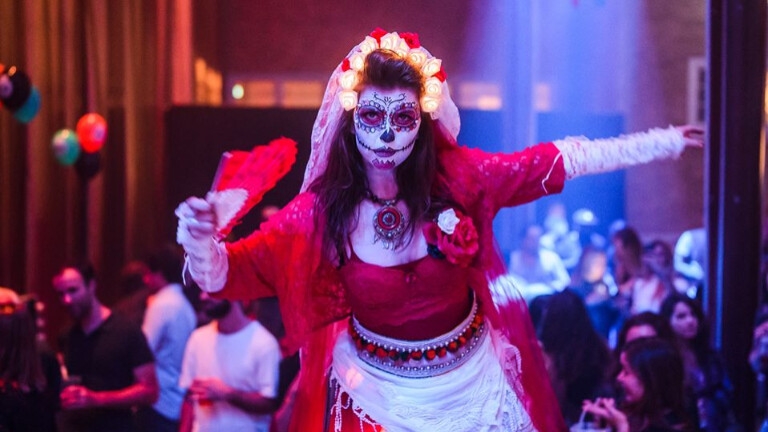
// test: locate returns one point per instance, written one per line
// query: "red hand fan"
(243, 178)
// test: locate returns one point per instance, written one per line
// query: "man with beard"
(230, 371)
(107, 355)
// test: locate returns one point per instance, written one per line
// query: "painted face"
(629, 381)
(640, 331)
(386, 125)
(683, 322)
(73, 292)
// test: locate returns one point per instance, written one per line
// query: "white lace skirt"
(476, 396)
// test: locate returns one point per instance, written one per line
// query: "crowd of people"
(156, 365)
(180, 359)
(622, 290)
(195, 362)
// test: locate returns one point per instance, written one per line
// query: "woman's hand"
(605, 408)
(199, 216)
(693, 136)
(205, 256)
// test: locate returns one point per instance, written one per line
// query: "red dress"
(284, 258)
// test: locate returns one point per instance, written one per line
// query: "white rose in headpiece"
(357, 61)
(348, 99)
(447, 221)
(348, 79)
(431, 67)
(418, 56)
(429, 103)
(393, 41)
(433, 87)
(390, 41)
(368, 45)
(402, 48)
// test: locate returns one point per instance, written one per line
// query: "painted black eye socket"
(371, 116)
(404, 117)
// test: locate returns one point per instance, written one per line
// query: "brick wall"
(664, 198)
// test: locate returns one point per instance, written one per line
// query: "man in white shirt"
(168, 322)
(231, 371)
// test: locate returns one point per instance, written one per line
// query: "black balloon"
(88, 165)
(15, 88)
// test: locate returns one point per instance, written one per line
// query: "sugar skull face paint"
(386, 125)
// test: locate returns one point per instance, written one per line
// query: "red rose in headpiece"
(345, 65)
(412, 39)
(440, 75)
(455, 237)
(378, 33)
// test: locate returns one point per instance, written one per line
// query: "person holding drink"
(230, 371)
(109, 365)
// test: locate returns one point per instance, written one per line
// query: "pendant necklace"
(388, 222)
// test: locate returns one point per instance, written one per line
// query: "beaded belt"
(423, 358)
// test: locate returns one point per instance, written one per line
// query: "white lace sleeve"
(583, 156)
(206, 259)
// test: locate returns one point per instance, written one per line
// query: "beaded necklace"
(388, 222)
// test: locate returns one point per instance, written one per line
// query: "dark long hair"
(659, 367)
(344, 184)
(580, 355)
(700, 343)
(19, 360)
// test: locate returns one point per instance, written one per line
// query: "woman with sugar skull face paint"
(386, 125)
(385, 263)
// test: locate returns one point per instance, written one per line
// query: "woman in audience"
(651, 378)
(578, 358)
(642, 325)
(708, 387)
(28, 399)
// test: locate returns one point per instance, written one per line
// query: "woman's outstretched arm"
(583, 156)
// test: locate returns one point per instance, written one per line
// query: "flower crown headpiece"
(407, 46)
